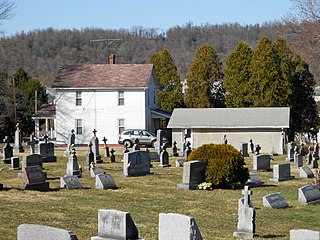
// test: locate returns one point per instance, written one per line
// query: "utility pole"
(14, 101)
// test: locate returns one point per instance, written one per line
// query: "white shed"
(265, 126)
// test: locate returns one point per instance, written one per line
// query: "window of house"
(121, 98)
(78, 98)
(121, 125)
(79, 126)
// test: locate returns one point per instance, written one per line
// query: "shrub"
(225, 164)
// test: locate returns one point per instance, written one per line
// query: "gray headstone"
(246, 218)
(71, 141)
(136, 163)
(309, 156)
(95, 171)
(46, 150)
(18, 140)
(72, 165)
(89, 157)
(175, 149)
(32, 160)
(37, 232)
(261, 162)
(298, 160)
(70, 182)
(7, 151)
(34, 179)
(159, 141)
(95, 148)
(305, 172)
(15, 163)
(309, 194)
(281, 172)
(179, 162)
(164, 158)
(114, 224)
(291, 147)
(105, 181)
(274, 200)
(193, 175)
(243, 148)
(254, 180)
(154, 156)
(174, 226)
(304, 234)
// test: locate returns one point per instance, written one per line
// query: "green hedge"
(225, 164)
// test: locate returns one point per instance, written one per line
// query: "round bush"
(225, 164)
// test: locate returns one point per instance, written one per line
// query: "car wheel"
(127, 143)
(154, 144)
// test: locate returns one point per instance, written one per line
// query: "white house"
(105, 97)
(265, 126)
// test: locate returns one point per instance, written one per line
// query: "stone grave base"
(36, 186)
(18, 149)
(49, 159)
(245, 235)
(187, 186)
(102, 238)
(99, 160)
(6, 161)
(282, 179)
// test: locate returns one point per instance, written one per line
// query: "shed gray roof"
(230, 118)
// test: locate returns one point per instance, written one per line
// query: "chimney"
(112, 59)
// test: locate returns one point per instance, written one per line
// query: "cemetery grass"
(145, 197)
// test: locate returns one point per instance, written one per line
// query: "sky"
(32, 15)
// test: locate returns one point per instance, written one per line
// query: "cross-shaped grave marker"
(32, 144)
(246, 196)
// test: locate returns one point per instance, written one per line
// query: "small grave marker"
(94, 171)
(105, 181)
(304, 234)
(193, 175)
(274, 200)
(70, 182)
(305, 172)
(261, 162)
(34, 179)
(309, 194)
(281, 172)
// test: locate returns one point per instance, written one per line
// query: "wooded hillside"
(42, 52)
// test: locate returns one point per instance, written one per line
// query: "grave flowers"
(205, 186)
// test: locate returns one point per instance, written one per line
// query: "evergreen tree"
(304, 117)
(204, 71)
(237, 76)
(268, 87)
(25, 99)
(170, 92)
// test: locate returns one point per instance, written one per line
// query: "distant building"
(266, 126)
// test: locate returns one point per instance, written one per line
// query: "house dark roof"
(46, 111)
(274, 117)
(104, 76)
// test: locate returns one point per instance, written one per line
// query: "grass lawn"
(145, 197)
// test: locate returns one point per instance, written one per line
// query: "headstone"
(154, 157)
(291, 147)
(281, 172)
(175, 150)
(1, 186)
(316, 151)
(46, 150)
(193, 175)
(159, 141)
(246, 218)
(314, 163)
(258, 149)
(298, 160)
(113, 157)
(254, 180)
(71, 141)
(304, 234)
(95, 147)
(296, 151)
(274, 200)
(37, 232)
(89, 157)
(136, 163)
(70, 182)
(305, 172)
(187, 150)
(225, 140)
(15, 163)
(7, 151)
(18, 140)
(309, 194)
(302, 151)
(179, 162)
(114, 224)
(261, 162)
(72, 165)
(243, 148)
(164, 157)
(173, 226)
(309, 156)
(105, 181)
(32, 143)
(136, 145)
(106, 147)
(34, 179)
(95, 171)
(32, 160)
(251, 146)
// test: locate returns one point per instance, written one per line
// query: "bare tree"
(6, 8)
